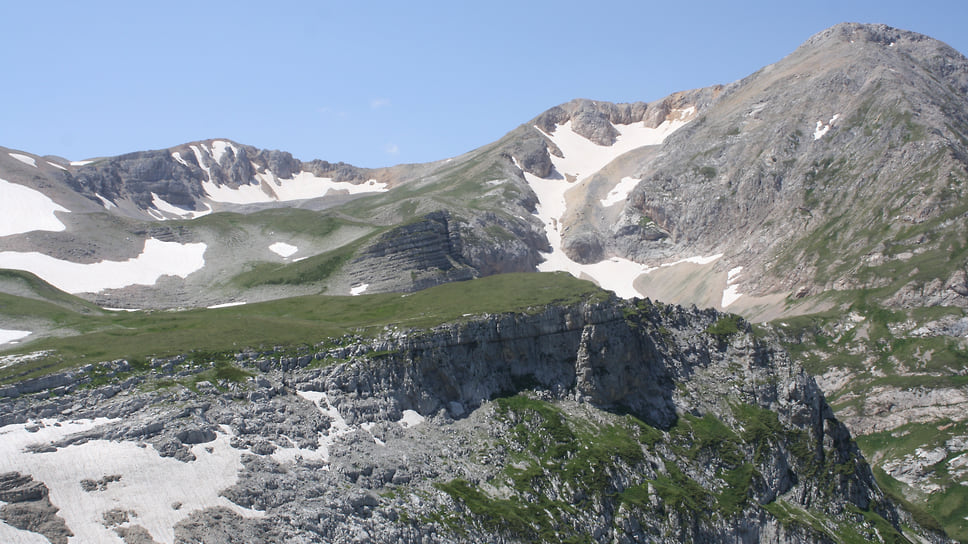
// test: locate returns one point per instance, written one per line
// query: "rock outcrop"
(620, 421)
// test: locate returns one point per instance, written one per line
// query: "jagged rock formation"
(620, 421)
(28, 507)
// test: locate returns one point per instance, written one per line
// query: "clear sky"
(375, 83)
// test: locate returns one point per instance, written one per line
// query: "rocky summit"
(219, 343)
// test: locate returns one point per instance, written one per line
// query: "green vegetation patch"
(285, 322)
(725, 326)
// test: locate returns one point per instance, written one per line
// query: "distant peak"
(864, 33)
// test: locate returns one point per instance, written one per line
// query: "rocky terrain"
(822, 197)
(598, 422)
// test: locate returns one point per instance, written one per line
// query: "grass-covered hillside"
(78, 333)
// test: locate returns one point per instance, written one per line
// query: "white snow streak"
(226, 305)
(23, 209)
(283, 249)
(158, 259)
(359, 289)
(149, 484)
(29, 161)
(201, 163)
(105, 202)
(8, 336)
(620, 192)
(55, 165)
(164, 206)
(81, 163)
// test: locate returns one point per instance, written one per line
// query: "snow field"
(10, 337)
(156, 260)
(283, 249)
(583, 158)
(23, 209)
(150, 485)
(359, 289)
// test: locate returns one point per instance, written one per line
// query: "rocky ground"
(606, 422)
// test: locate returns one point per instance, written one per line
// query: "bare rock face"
(29, 508)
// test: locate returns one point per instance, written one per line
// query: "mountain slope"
(825, 192)
(587, 421)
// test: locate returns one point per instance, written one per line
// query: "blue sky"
(377, 83)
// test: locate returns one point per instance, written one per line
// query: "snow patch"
(81, 163)
(163, 206)
(338, 426)
(219, 148)
(9, 336)
(29, 161)
(620, 192)
(823, 128)
(55, 165)
(105, 202)
(283, 249)
(177, 156)
(23, 209)
(359, 289)
(301, 186)
(149, 484)
(411, 419)
(156, 260)
(731, 293)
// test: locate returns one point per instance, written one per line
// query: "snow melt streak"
(158, 259)
(23, 209)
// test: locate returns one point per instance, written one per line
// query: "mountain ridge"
(823, 196)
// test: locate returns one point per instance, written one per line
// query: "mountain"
(822, 197)
(592, 421)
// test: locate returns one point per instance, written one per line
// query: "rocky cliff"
(595, 422)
